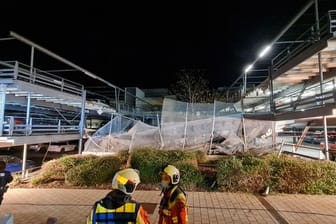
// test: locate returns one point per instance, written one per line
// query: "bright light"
(100, 111)
(248, 68)
(264, 51)
(308, 93)
(328, 86)
(260, 107)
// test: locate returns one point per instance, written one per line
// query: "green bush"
(150, 162)
(95, 170)
(306, 177)
(228, 173)
(55, 170)
(123, 155)
(201, 156)
(78, 170)
(244, 172)
(289, 174)
(191, 177)
(324, 178)
(285, 174)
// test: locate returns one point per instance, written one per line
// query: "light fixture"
(100, 111)
(248, 68)
(265, 51)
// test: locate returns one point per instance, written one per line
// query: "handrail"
(308, 38)
(40, 77)
(297, 99)
(332, 18)
(15, 126)
(298, 45)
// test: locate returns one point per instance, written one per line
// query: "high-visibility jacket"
(173, 207)
(129, 213)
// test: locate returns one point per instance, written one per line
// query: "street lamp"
(265, 51)
(247, 69)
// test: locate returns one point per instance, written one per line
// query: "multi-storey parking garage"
(294, 82)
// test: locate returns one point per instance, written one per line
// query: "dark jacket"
(5, 178)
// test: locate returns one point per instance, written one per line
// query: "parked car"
(42, 147)
(14, 164)
(60, 147)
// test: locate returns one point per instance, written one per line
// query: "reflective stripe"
(124, 214)
(122, 179)
(129, 207)
(166, 212)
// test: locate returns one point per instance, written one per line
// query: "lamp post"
(248, 68)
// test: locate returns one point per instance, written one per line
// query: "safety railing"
(19, 71)
(299, 99)
(310, 98)
(304, 41)
(332, 19)
(17, 126)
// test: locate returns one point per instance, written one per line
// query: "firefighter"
(5, 178)
(118, 206)
(173, 205)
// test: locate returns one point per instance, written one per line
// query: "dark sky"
(144, 43)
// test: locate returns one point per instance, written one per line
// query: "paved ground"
(73, 205)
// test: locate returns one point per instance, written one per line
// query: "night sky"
(144, 43)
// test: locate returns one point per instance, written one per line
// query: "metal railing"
(299, 99)
(19, 71)
(332, 18)
(307, 39)
(16, 126)
(307, 99)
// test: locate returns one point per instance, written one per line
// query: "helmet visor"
(130, 187)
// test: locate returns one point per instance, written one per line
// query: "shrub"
(306, 177)
(95, 170)
(289, 174)
(191, 177)
(52, 170)
(123, 155)
(244, 172)
(201, 156)
(87, 169)
(228, 171)
(150, 162)
(209, 177)
(324, 181)
(285, 174)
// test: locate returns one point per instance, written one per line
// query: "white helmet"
(126, 180)
(173, 173)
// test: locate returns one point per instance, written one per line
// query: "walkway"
(71, 206)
